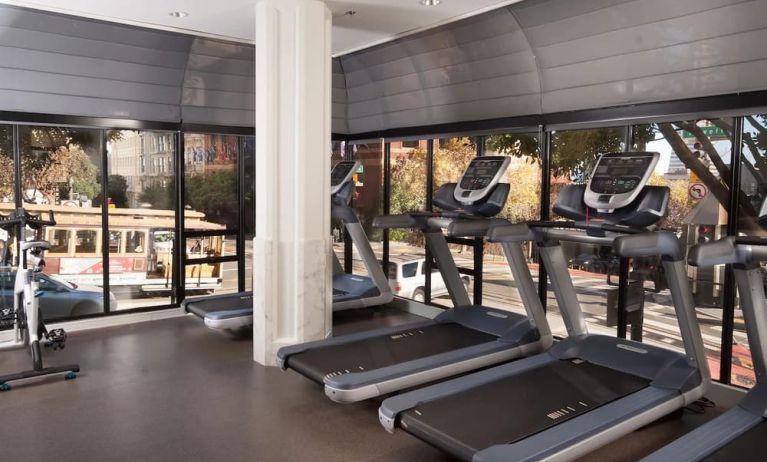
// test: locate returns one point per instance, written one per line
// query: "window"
(753, 188)
(135, 242)
(409, 270)
(693, 152)
(408, 193)
(451, 157)
(523, 204)
(7, 181)
(249, 211)
(212, 204)
(59, 239)
(573, 153)
(47, 285)
(115, 239)
(85, 242)
(63, 166)
(337, 152)
(140, 272)
(367, 201)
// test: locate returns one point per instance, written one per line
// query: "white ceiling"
(375, 21)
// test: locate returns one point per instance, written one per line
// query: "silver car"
(58, 299)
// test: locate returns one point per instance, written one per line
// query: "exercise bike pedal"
(56, 339)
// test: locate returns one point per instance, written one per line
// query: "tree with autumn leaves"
(52, 157)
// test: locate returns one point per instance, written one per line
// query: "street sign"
(697, 191)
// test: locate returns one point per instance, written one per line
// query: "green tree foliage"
(159, 195)
(408, 191)
(54, 156)
(451, 157)
(117, 190)
(214, 193)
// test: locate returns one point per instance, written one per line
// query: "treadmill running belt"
(512, 408)
(236, 301)
(385, 350)
(744, 447)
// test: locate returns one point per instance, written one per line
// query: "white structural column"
(291, 271)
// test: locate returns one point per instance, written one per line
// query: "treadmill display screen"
(619, 175)
(340, 172)
(480, 173)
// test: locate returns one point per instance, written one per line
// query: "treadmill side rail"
(707, 438)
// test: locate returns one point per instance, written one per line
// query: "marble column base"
(292, 294)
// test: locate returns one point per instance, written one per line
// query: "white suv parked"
(407, 278)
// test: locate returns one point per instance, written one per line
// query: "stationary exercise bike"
(25, 318)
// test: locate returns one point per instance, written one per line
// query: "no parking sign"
(697, 191)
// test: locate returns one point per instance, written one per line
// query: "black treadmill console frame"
(476, 183)
(345, 167)
(614, 183)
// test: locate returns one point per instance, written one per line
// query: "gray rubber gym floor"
(173, 390)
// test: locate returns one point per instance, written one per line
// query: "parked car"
(58, 299)
(407, 278)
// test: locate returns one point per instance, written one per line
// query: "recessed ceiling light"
(179, 14)
(430, 2)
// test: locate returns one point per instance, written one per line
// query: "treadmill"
(461, 339)
(739, 433)
(587, 390)
(353, 290)
(233, 313)
(226, 313)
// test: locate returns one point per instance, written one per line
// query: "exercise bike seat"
(45, 245)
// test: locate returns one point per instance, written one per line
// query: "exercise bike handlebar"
(24, 218)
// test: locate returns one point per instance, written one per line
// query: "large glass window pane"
(367, 202)
(61, 169)
(337, 152)
(211, 195)
(408, 193)
(573, 153)
(249, 159)
(7, 185)
(695, 164)
(753, 190)
(142, 212)
(7, 180)
(524, 204)
(451, 157)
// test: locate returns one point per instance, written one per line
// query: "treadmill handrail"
(647, 244)
(420, 219)
(742, 250)
(526, 231)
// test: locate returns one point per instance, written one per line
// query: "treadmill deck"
(233, 302)
(512, 408)
(385, 350)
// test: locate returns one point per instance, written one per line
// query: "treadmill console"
(482, 174)
(341, 173)
(618, 179)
